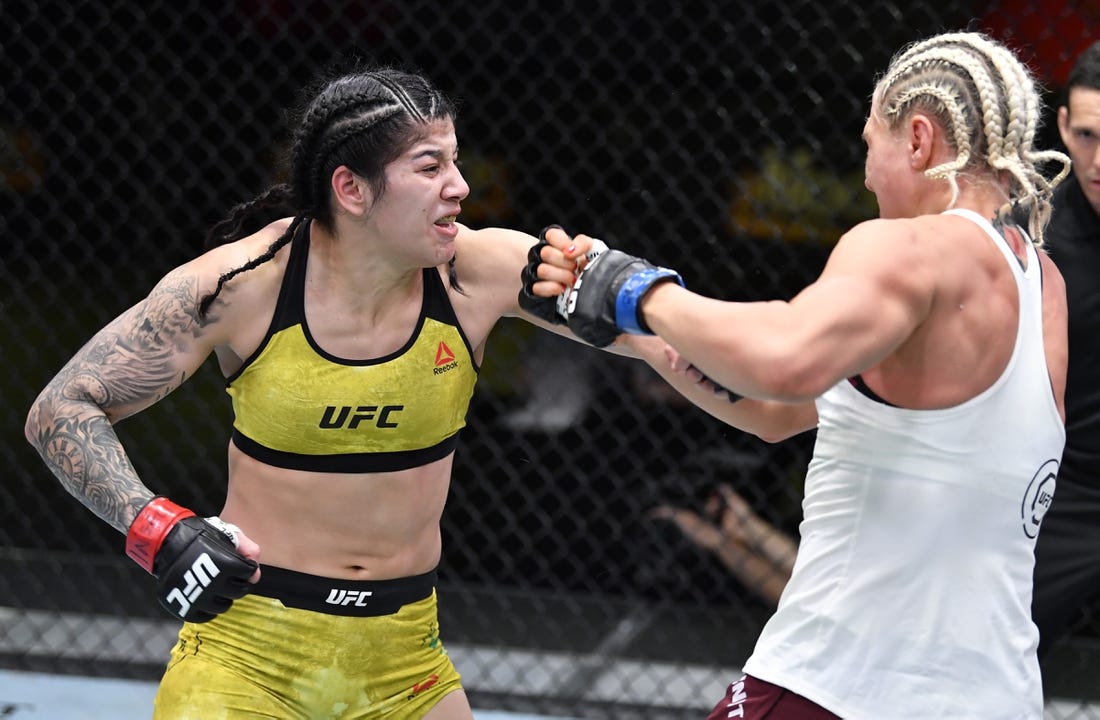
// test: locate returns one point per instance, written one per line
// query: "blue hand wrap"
(632, 291)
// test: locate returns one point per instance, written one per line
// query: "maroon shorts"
(752, 699)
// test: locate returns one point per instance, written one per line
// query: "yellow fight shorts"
(301, 646)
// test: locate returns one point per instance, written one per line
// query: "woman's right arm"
(133, 362)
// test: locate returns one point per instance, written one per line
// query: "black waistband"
(333, 596)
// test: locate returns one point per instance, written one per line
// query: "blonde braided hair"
(987, 101)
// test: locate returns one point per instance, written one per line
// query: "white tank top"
(911, 593)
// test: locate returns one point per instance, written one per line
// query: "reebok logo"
(196, 579)
(358, 598)
(444, 359)
(443, 354)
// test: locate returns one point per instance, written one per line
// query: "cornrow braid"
(930, 81)
(949, 170)
(335, 101)
(361, 120)
(1021, 95)
(208, 300)
(1015, 153)
(334, 140)
(345, 117)
(250, 216)
(400, 95)
(998, 130)
(1022, 158)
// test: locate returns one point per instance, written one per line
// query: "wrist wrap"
(150, 527)
(630, 294)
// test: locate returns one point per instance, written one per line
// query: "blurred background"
(719, 138)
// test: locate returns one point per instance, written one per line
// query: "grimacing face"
(1079, 126)
(424, 192)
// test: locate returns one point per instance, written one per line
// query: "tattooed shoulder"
(139, 358)
(174, 305)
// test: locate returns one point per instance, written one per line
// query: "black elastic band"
(333, 596)
(860, 384)
(364, 462)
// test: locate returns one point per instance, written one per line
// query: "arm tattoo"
(126, 367)
(87, 457)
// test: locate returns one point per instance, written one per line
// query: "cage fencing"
(719, 138)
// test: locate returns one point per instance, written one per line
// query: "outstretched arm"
(506, 264)
(875, 291)
(550, 274)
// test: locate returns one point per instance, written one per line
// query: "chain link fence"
(720, 138)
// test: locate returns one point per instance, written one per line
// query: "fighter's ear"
(350, 191)
(1063, 124)
(921, 141)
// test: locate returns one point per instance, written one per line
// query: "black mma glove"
(603, 302)
(550, 309)
(196, 561)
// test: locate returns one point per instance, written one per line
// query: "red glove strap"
(150, 527)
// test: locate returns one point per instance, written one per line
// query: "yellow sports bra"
(296, 406)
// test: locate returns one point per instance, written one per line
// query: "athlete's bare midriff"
(369, 526)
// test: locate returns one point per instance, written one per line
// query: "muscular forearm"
(81, 448)
(135, 361)
(740, 346)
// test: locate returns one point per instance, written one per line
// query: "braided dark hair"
(364, 120)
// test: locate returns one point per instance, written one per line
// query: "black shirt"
(1073, 241)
